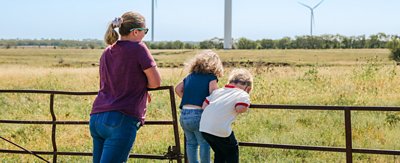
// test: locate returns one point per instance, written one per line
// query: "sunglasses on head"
(140, 29)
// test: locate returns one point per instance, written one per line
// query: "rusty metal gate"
(349, 150)
(172, 153)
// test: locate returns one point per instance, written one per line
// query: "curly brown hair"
(206, 62)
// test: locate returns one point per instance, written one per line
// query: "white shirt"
(218, 116)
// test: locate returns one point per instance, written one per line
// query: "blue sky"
(198, 20)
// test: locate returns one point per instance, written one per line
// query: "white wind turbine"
(312, 14)
(228, 25)
(152, 19)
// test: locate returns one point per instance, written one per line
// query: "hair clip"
(117, 22)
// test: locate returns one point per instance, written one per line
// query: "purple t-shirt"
(123, 84)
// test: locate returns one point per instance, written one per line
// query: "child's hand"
(148, 98)
(241, 109)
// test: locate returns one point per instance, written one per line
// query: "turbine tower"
(228, 25)
(152, 20)
(312, 22)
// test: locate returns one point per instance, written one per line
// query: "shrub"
(392, 119)
(394, 46)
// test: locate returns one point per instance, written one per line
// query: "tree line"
(379, 40)
(53, 43)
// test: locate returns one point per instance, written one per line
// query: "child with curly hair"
(205, 69)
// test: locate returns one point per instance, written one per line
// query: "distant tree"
(360, 42)
(207, 44)
(161, 45)
(394, 46)
(373, 41)
(189, 46)
(151, 45)
(383, 39)
(177, 45)
(266, 44)
(91, 46)
(169, 45)
(284, 43)
(244, 43)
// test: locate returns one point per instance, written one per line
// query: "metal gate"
(172, 153)
(349, 150)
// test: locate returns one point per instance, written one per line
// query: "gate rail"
(349, 150)
(173, 153)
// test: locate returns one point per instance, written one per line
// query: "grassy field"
(311, 77)
(48, 57)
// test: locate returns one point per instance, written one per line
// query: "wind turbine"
(228, 25)
(312, 14)
(152, 19)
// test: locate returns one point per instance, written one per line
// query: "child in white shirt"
(221, 109)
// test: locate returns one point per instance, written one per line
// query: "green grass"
(323, 82)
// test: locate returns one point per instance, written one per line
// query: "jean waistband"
(190, 108)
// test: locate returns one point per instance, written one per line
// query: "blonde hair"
(128, 21)
(241, 76)
(206, 62)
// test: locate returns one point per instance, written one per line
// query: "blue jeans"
(190, 121)
(113, 136)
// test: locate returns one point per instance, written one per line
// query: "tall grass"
(370, 84)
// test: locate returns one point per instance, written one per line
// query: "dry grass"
(375, 83)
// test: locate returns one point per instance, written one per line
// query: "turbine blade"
(317, 4)
(305, 5)
(155, 3)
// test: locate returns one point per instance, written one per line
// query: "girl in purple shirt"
(127, 69)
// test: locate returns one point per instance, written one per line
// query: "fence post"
(349, 142)
(53, 128)
(175, 121)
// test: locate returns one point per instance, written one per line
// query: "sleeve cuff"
(242, 103)
(206, 101)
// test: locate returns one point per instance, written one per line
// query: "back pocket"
(113, 119)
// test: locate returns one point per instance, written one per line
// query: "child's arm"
(243, 103)
(213, 85)
(205, 103)
(179, 89)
